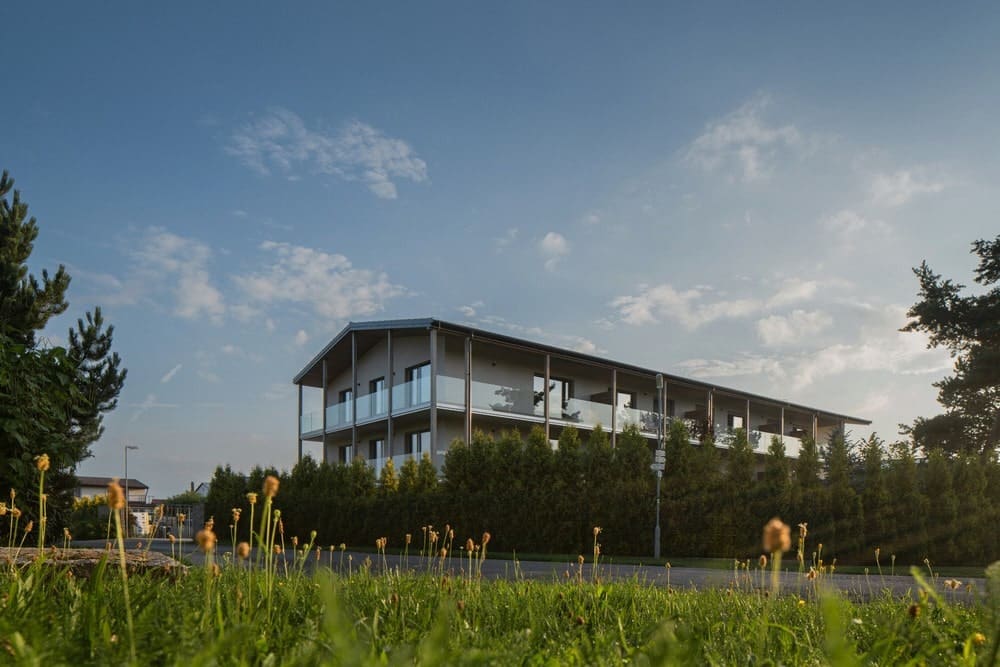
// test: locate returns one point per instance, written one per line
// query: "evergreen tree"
(388, 482)
(408, 471)
(969, 327)
(808, 499)
(736, 518)
(635, 495)
(973, 522)
(570, 490)
(942, 506)
(52, 399)
(909, 506)
(702, 522)
(844, 518)
(598, 457)
(774, 497)
(876, 510)
(678, 489)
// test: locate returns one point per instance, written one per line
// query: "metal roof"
(104, 481)
(433, 323)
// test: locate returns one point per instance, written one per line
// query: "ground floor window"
(418, 443)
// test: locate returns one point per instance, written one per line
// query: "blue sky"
(735, 193)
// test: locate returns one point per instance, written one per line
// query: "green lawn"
(242, 616)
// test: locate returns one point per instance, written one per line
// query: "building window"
(376, 390)
(347, 454)
(626, 399)
(418, 443)
(418, 379)
(560, 393)
(376, 449)
(670, 407)
(736, 421)
(346, 402)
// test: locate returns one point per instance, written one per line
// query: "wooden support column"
(815, 427)
(781, 426)
(545, 403)
(326, 383)
(298, 425)
(710, 409)
(354, 392)
(391, 387)
(614, 407)
(746, 420)
(468, 390)
(434, 372)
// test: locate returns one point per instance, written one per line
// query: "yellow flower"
(252, 498)
(978, 639)
(42, 462)
(271, 484)
(243, 550)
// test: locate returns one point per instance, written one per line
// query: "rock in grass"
(83, 562)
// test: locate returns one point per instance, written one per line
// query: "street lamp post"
(658, 465)
(127, 522)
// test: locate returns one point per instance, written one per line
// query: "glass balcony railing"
(373, 405)
(585, 413)
(646, 420)
(451, 391)
(339, 414)
(310, 421)
(397, 462)
(502, 399)
(761, 441)
(413, 394)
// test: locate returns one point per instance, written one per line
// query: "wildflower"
(236, 514)
(776, 536)
(295, 541)
(877, 552)
(978, 639)
(444, 552)
(15, 512)
(27, 529)
(171, 537)
(408, 538)
(762, 561)
(811, 576)
(42, 462)
(343, 547)
(243, 550)
(277, 549)
(913, 610)
(252, 498)
(13, 494)
(486, 538)
(271, 486)
(469, 545)
(802, 603)
(206, 539)
(597, 530)
(579, 559)
(66, 534)
(3, 509)
(116, 497)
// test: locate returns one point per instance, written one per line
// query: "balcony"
(373, 406)
(310, 421)
(645, 420)
(411, 395)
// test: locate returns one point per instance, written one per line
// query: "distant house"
(88, 487)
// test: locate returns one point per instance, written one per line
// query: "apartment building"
(402, 388)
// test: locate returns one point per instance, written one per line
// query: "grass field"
(238, 615)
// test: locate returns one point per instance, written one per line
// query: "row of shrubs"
(854, 497)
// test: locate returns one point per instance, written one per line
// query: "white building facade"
(399, 389)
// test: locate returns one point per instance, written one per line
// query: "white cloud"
(898, 188)
(850, 226)
(163, 258)
(501, 243)
(170, 374)
(471, 309)
(356, 152)
(576, 343)
(326, 283)
(792, 328)
(591, 219)
(880, 347)
(148, 404)
(277, 391)
(301, 337)
(208, 376)
(744, 141)
(231, 349)
(793, 291)
(553, 247)
(663, 301)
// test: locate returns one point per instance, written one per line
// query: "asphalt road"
(855, 586)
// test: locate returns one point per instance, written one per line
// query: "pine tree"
(942, 506)
(678, 489)
(909, 506)
(570, 490)
(52, 399)
(388, 483)
(774, 497)
(845, 515)
(736, 516)
(876, 510)
(973, 521)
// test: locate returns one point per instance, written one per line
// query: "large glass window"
(346, 406)
(560, 392)
(376, 389)
(735, 421)
(418, 379)
(376, 449)
(418, 443)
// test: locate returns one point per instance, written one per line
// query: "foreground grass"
(370, 617)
